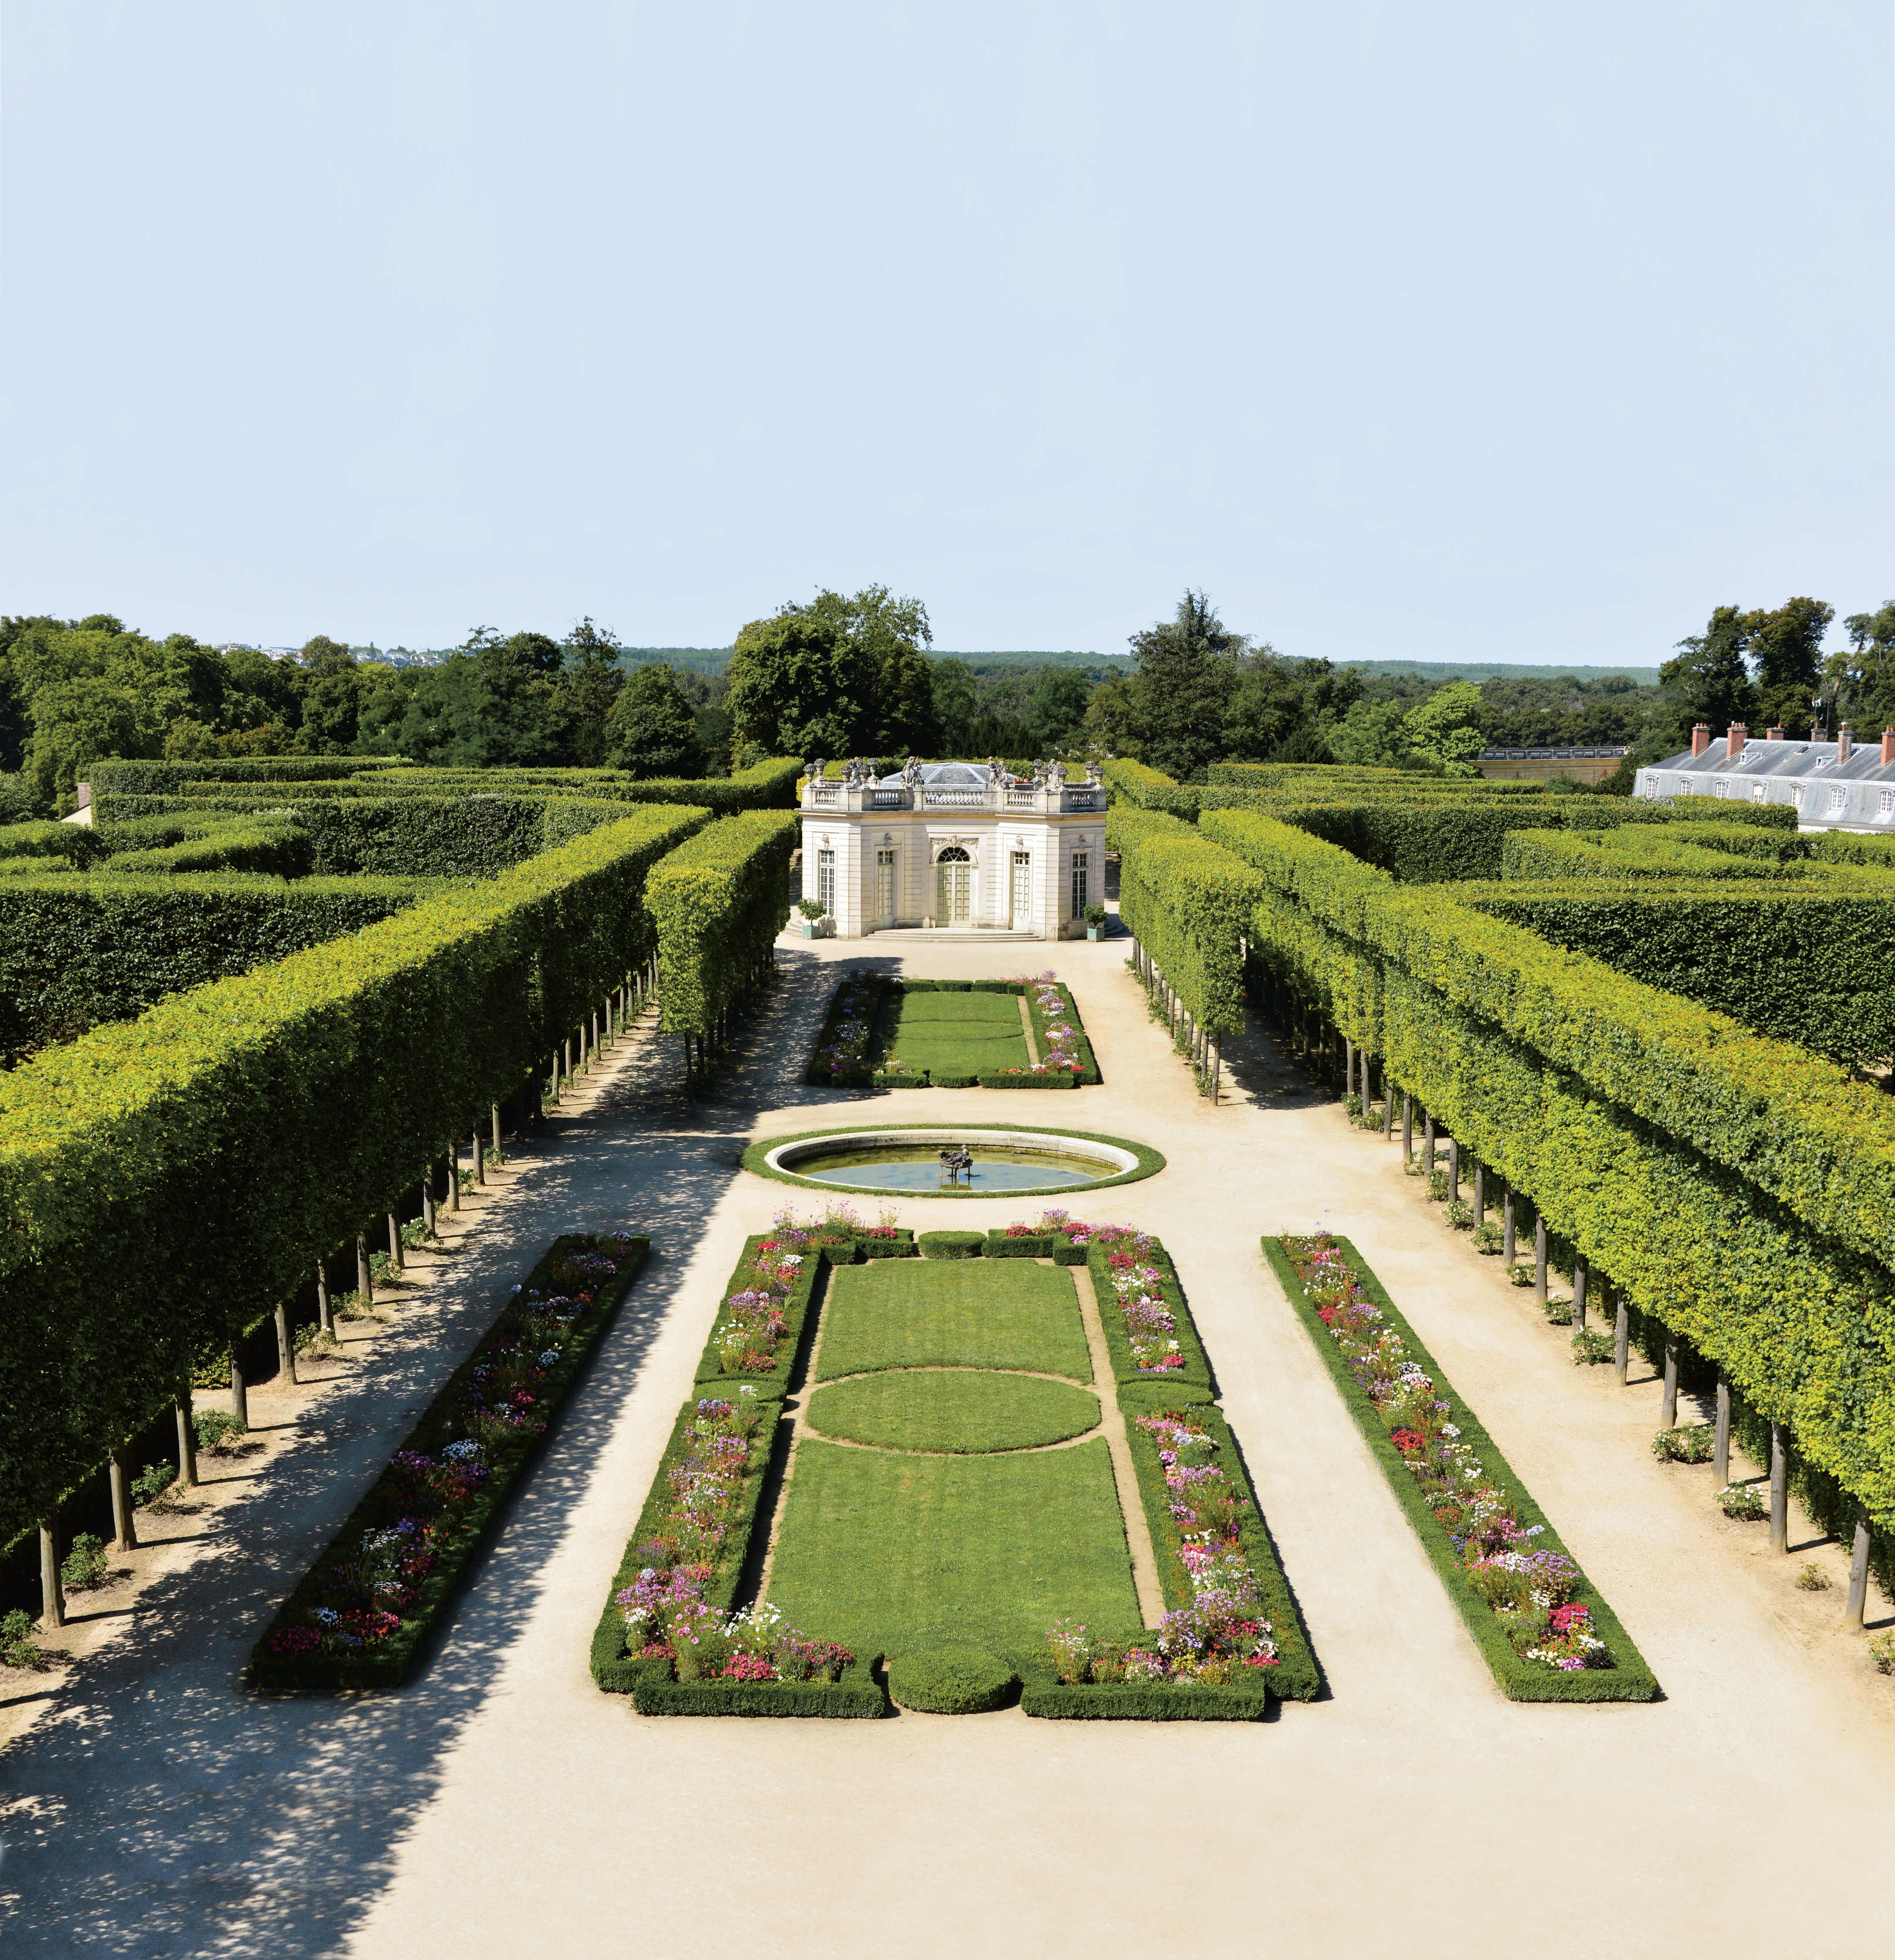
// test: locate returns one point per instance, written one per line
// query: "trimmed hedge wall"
(389, 1662)
(76, 843)
(1187, 900)
(280, 849)
(163, 1181)
(76, 951)
(1738, 1189)
(111, 775)
(1803, 964)
(1628, 1679)
(719, 902)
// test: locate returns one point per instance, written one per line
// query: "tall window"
(1081, 881)
(1723, 788)
(826, 882)
(885, 887)
(1887, 805)
(1838, 796)
(1756, 792)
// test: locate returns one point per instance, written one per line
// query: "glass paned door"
(826, 882)
(1081, 878)
(953, 883)
(1022, 891)
(884, 888)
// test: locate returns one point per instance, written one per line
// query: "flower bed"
(1541, 1626)
(667, 1636)
(1148, 1328)
(360, 1617)
(841, 1057)
(1231, 1635)
(757, 1335)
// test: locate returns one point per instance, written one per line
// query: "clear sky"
(1460, 331)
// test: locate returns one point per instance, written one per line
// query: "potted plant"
(812, 911)
(1095, 922)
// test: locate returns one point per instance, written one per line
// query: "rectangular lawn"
(952, 1034)
(897, 1552)
(971, 1313)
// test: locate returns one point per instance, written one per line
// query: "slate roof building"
(1831, 785)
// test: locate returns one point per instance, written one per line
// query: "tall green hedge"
(719, 902)
(1741, 1189)
(75, 951)
(281, 850)
(163, 1181)
(112, 775)
(1802, 964)
(1187, 900)
(75, 843)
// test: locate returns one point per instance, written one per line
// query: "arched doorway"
(954, 887)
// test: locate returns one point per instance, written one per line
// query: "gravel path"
(500, 1806)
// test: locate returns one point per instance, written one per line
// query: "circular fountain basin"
(907, 1161)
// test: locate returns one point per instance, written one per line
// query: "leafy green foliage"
(652, 731)
(951, 1680)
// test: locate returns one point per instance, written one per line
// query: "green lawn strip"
(389, 1662)
(1295, 1677)
(1150, 1161)
(952, 1035)
(902, 1554)
(1195, 1368)
(938, 1313)
(963, 1412)
(1630, 1679)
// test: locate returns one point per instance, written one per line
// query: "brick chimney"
(1845, 744)
(1773, 734)
(1734, 742)
(1888, 748)
(1700, 738)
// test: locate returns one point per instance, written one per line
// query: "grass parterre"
(883, 1031)
(950, 1494)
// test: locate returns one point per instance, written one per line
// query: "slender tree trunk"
(1579, 1277)
(1779, 1489)
(1454, 1169)
(1668, 1402)
(1721, 1436)
(427, 1197)
(1507, 1226)
(453, 1177)
(1427, 1145)
(325, 1313)
(125, 1531)
(1408, 1128)
(285, 1348)
(187, 1438)
(1480, 1192)
(480, 1147)
(240, 1392)
(395, 1259)
(364, 1281)
(52, 1592)
(1857, 1606)
(496, 1126)
(1621, 1334)
(1349, 1067)
(1540, 1258)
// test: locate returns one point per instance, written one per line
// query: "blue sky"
(1455, 332)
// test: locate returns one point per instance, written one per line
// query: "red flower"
(1408, 1440)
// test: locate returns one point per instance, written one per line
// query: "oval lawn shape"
(957, 1411)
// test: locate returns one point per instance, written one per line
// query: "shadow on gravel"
(159, 1808)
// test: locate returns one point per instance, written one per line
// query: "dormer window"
(1838, 795)
(1886, 806)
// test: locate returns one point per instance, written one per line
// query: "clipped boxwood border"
(391, 1661)
(856, 1695)
(1631, 1679)
(1149, 1163)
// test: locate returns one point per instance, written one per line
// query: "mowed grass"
(965, 1313)
(967, 1410)
(901, 1553)
(955, 1034)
